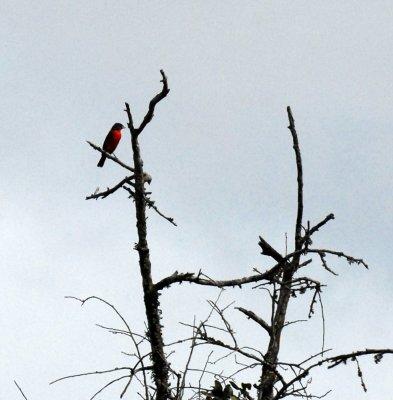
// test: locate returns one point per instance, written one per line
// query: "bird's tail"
(102, 161)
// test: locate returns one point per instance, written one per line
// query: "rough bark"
(160, 365)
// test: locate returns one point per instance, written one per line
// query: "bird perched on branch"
(111, 141)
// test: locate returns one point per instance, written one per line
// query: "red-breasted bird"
(111, 141)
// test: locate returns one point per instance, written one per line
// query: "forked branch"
(150, 113)
(109, 191)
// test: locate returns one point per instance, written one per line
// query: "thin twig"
(126, 325)
(203, 373)
(122, 332)
(324, 264)
(360, 375)
(196, 332)
(107, 385)
(90, 373)
(151, 204)
(21, 391)
(323, 321)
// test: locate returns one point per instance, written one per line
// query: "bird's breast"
(116, 135)
(111, 141)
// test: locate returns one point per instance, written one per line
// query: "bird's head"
(118, 126)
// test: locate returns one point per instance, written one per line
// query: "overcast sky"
(222, 165)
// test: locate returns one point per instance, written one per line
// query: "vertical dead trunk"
(268, 377)
(160, 365)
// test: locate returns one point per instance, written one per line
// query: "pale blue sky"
(222, 165)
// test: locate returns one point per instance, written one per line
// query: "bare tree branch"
(268, 250)
(360, 375)
(192, 278)
(151, 204)
(20, 390)
(130, 333)
(299, 217)
(107, 385)
(202, 279)
(350, 259)
(257, 319)
(324, 264)
(317, 227)
(122, 332)
(110, 156)
(150, 113)
(109, 191)
(211, 340)
(336, 360)
(93, 373)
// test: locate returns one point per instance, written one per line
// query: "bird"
(111, 141)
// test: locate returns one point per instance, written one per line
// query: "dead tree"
(282, 280)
